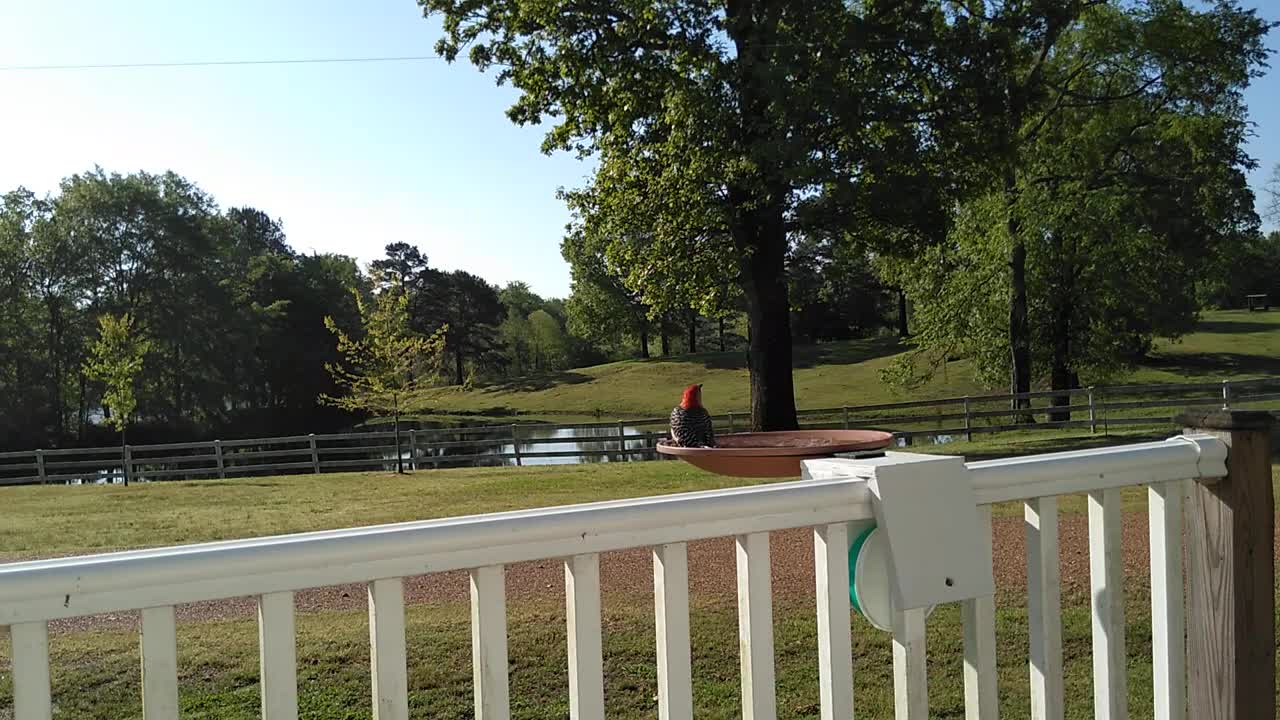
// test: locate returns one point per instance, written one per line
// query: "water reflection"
(538, 445)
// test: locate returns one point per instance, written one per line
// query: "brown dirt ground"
(628, 575)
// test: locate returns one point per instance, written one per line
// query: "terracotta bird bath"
(774, 454)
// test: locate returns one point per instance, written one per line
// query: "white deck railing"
(153, 581)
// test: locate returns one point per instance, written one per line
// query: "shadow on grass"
(849, 352)
(1220, 363)
(533, 383)
(214, 484)
(1060, 444)
(1235, 327)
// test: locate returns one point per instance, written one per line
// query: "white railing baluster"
(910, 674)
(387, 657)
(1044, 608)
(159, 664)
(981, 693)
(1106, 579)
(489, 643)
(671, 615)
(1168, 620)
(32, 692)
(278, 656)
(586, 655)
(755, 627)
(835, 642)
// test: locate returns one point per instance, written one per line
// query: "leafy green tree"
(384, 370)
(601, 307)
(116, 360)
(835, 292)
(1125, 187)
(519, 299)
(713, 124)
(548, 343)
(27, 408)
(472, 310)
(1048, 63)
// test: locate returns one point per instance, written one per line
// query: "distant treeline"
(235, 316)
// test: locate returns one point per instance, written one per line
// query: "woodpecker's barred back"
(692, 427)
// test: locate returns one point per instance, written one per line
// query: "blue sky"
(349, 156)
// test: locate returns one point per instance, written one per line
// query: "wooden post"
(622, 443)
(217, 453)
(315, 453)
(968, 427)
(1093, 418)
(1226, 394)
(127, 464)
(515, 443)
(44, 478)
(1231, 585)
(730, 422)
(413, 449)
(846, 417)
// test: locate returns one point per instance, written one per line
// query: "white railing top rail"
(68, 587)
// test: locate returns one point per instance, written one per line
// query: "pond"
(539, 445)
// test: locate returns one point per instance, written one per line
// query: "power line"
(217, 63)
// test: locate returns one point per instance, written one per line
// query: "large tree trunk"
(457, 367)
(1061, 376)
(82, 413)
(693, 332)
(395, 420)
(758, 223)
(721, 334)
(57, 404)
(1019, 325)
(773, 405)
(666, 341)
(903, 330)
(644, 343)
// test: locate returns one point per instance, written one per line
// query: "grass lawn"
(49, 521)
(1227, 344)
(95, 672)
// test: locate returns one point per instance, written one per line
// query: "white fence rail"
(834, 504)
(1097, 408)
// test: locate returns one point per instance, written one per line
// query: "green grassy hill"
(1227, 344)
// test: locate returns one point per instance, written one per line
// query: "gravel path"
(628, 575)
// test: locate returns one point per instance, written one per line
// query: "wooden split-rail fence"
(1099, 409)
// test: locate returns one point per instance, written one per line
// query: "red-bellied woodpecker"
(690, 422)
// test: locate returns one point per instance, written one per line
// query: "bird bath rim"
(774, 454)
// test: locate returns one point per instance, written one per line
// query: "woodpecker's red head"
(692, 397)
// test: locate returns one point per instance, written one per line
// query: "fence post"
(217, 456)
(968, 427)
(515, 443)
(127, 463)
(1093, 418)
(315, 453)
(44, 478)
(846, 417)
(413, 449)
(1226, 394)
(731, 429)
(1231, 603)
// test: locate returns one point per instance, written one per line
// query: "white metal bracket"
(925, 505)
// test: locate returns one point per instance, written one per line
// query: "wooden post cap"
(1226, 419)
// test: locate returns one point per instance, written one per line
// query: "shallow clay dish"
(774, 454)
